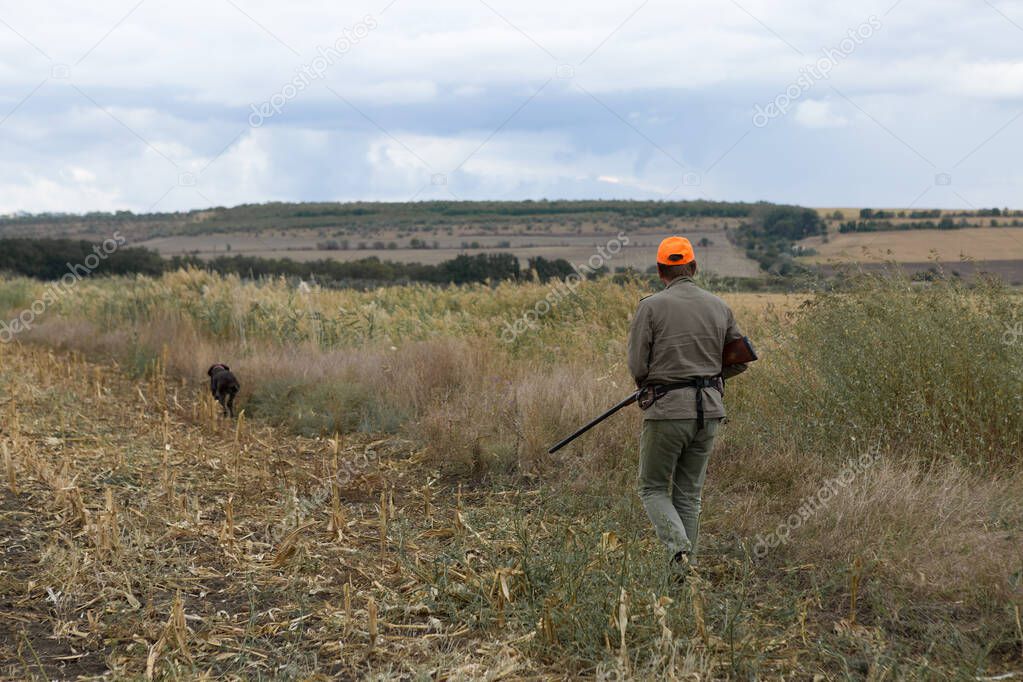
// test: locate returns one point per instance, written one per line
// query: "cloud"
(517, 163)
(1000, 80)
(819, 114)
(396, 92)
(38, 193)
(468, 91)
(77, 174)
(566, 99)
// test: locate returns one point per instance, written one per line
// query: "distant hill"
(734, 239)
(365, 218)
(423, 232)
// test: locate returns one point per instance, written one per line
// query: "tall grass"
(923, 370)
(16, 294)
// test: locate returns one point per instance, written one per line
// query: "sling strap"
(656, 391)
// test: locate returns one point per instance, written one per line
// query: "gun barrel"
(562, 443)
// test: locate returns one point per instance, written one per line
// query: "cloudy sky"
(178, 104)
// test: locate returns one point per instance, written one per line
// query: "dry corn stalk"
(666, 639)
(701, 627)
(13, 426)
(459, 521)
(503, 590)
(110, 533)
(175, 630)
(208, 407)
(546, 624)
(177, 627)
(238, 427)
(500, 609)
(76, 507)
(337, 515)
(227, 536)
(623, 624)
(371, 610)
(169, 477)
(335, 449)
(238, 447)
(337, 520)
(348, 607)
(154, 653)
(383, 521)
(199, 404)
(62, 484)
(12, 477)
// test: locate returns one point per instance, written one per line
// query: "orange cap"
(675, 251)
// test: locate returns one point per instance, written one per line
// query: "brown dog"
(224, 386)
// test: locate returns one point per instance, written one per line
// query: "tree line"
(770, 235)
(50, 259)
(946, 223)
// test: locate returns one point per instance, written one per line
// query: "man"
(675, 343)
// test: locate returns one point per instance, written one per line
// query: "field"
(434, 232)
(975, 243)
(718, 255)
(425, 232)
(385, 508)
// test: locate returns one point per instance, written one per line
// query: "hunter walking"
(676, 342)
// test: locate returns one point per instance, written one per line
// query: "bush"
(921, 369)
(54, 258)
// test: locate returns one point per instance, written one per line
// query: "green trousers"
(673, 459)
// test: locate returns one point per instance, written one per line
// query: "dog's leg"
(230, 403)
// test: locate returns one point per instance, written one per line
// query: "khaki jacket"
(677, 334)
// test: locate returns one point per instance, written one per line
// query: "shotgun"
(625, 403)
(735, 352)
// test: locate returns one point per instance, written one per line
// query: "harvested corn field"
(358, 521)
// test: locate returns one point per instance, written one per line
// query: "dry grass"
(436, 539)
(146, 537)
